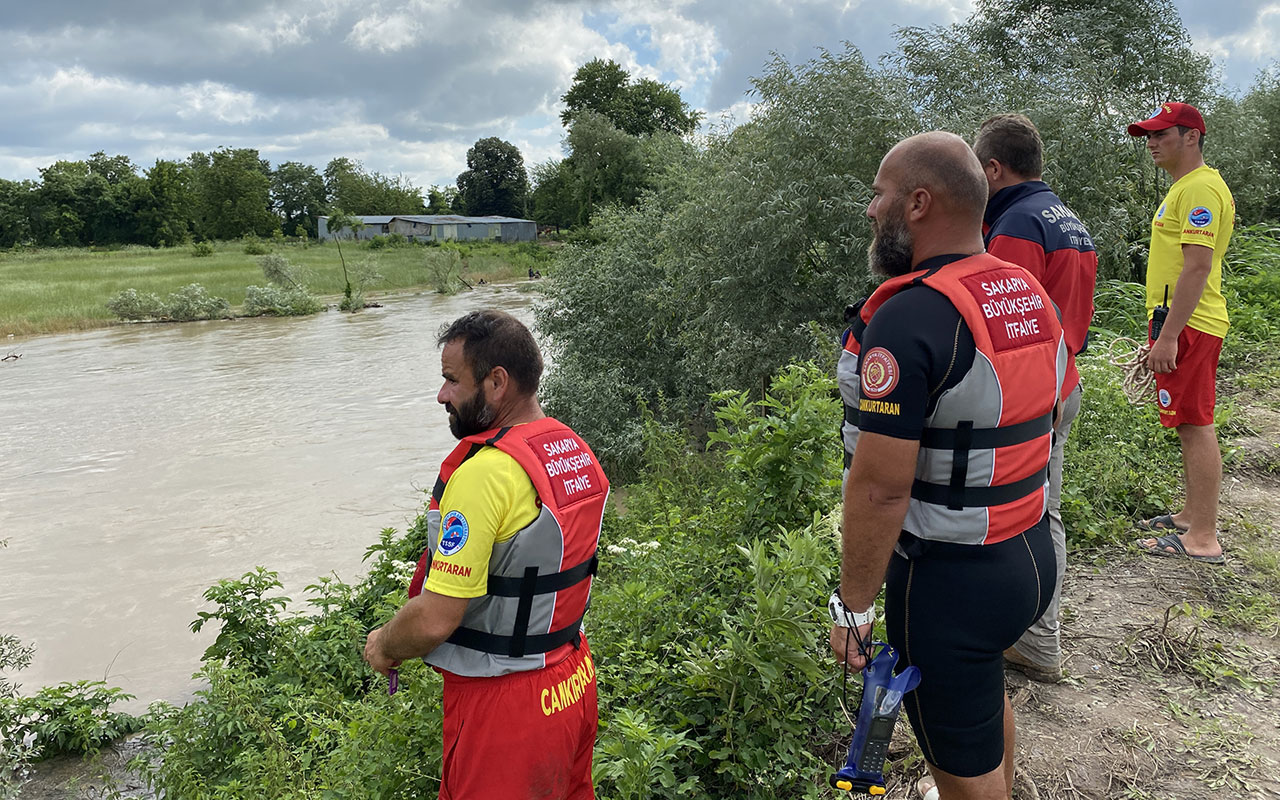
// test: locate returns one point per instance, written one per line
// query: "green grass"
(59, 289)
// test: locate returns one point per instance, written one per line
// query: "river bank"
(1172, 665)
(66, 289)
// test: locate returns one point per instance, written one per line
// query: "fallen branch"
(12, 357)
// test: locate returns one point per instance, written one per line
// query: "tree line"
(234, 192)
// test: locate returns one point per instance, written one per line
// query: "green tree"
(166, 205)
(495, 182)
(718, 274)
(608, 165)
(646, 106)
(350, 187)
(1081, 70)
(297, 195)
(233, 194)
(16, 198)
(59, 206)
(554, 199)
(441, 199)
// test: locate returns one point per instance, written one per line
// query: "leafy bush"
(189, 303)
(388, 240)
(15, 752)
(253, 246)
(73, 718)
(132, 305)
(444, 268)
(275, 301)
(202, 249)
(193, 302)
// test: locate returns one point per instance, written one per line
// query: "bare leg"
(1010, 742)
(1202, 465)
(1202, 461)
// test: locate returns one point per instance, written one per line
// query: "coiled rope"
(1130, 355)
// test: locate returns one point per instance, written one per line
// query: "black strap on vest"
(979, 496)
(526, 587)
(987, 438)
(496, 644)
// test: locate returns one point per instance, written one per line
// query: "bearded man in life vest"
(497, 603)
(950, 374)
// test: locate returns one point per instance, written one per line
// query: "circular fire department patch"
(879, 373)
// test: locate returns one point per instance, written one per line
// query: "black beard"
(891, 249)
(471, 417)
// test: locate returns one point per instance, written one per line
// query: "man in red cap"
(1189, 235)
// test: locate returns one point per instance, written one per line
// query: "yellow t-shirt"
(488, 499)
(1198, 209)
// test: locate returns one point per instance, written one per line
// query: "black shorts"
(952, 610)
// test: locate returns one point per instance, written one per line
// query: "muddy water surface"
(141, 464)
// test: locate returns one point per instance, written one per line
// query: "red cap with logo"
(1168, 115)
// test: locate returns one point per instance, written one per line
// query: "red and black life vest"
(540, 579)
(982, 473)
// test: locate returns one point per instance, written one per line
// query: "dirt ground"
(1173, 665)
(1173, 687)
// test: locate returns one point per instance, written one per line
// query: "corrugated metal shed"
(443, 227)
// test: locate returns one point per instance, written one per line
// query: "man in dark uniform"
(1028, 225)
(950, 376)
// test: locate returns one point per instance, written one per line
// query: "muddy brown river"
(141, 464)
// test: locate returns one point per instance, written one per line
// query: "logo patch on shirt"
(453, 533)
(1160, 213)
(1165, 398)
(1200, 216)
(879, 373)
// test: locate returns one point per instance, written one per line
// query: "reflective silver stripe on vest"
(541, 545)
(976, 398)
(850, 394)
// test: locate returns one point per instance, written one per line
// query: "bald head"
(944, 165)
(928, 199)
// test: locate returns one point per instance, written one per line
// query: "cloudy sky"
(406, 86)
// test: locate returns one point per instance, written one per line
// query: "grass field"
(45, 291)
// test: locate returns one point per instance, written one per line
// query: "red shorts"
(1186, 395)
(523, 735)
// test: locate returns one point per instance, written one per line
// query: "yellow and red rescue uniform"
(982, 474)
(1198, 210)
(519, 683)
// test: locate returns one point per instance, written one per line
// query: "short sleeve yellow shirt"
(489, 499)
(1199, 210)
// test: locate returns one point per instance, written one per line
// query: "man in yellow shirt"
(1189, 235)
(498, 600)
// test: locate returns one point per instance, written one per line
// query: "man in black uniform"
(950, 376)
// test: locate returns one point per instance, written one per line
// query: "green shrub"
(444, 268)
(202, 249)
(132, 305)
(278, 302)
(388, 240)
(15, 752)
(253, 246)
(193, 302)
(73, 718)
(189, 303)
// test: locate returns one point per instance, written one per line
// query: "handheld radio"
(882, 692)
(1158, 315)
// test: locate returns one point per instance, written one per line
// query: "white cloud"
(1258, 42)
(386, 33)
(221, 103)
